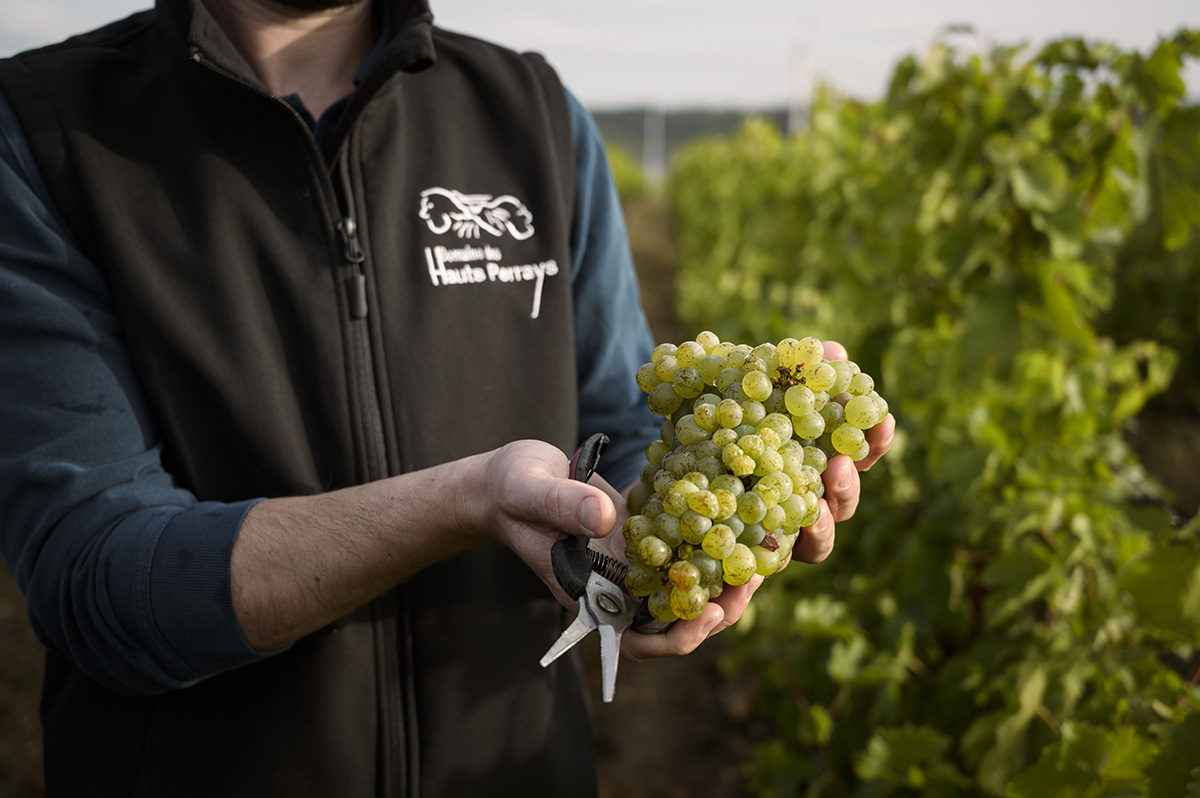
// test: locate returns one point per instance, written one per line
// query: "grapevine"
(736, 472)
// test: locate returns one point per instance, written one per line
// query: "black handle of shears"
(569, 556)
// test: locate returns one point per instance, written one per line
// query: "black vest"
(305, 320)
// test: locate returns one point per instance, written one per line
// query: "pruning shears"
(594, 580)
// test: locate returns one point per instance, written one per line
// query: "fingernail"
(589, 515)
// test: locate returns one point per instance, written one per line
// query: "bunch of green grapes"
(736, 472)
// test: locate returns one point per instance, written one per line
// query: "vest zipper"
(363, 367)
(390, 613)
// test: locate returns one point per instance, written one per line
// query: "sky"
(748, 54)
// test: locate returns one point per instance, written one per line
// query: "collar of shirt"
(323, 127)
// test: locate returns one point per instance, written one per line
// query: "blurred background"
(996, 207)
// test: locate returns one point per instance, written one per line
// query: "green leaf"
(1041, 184)
(1175, 772)
(1163, 588)
(1179, 177)
(1087, 761)
(1066, 227)
(845, 660)
(901, 756)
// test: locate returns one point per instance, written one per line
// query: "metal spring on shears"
(607, 566)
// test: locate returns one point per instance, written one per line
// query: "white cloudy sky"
(700, 52)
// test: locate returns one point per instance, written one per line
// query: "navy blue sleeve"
(611, 332)
(123, 572)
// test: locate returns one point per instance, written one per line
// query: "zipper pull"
(356, 284)
(356, 295)
(349, 231)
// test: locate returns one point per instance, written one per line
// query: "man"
(303, 305)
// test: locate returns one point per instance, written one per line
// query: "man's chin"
(317, 5)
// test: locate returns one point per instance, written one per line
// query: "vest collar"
(407, 42)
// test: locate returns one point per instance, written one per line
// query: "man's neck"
(310, 53)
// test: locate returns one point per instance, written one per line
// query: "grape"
(746, 435)
(656, 451)
(737, 356)
(754, 363)
(637, 527)
(719, 542)
(730, 483)
(861, 384)
(687, 382)
(740, 565)
(646, 377)
(819, 376)
(843, 375)
(706, 416)
(788, 352)
(794, 508)
(774, 518)
(726, 378)
(724, 437)
(807, 426)
(751, 507)
(661, 350)
(752, 534)
(653, 551)
(881, 402)
(780, 423)
(705, 503)
(663, 400)
(816, 457)
(810, 349)
(742, 466)
(847, 438)
(757, 385)
(862, 411)
(729, 413)
(663, 481)
(799, 400)
(710, 367)
(726, 501)
(668, 528)
(665, 367)
(709, 340)
(766, 561)
(690, 353)
(693, 527)
(659, 604)
(683, 575)
(642, 580)
(708, 567)
(833, 415)
(689, 432)
(752, 445)
(688, 604)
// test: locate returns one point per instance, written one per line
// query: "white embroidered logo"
(464, 264)
(467, 215)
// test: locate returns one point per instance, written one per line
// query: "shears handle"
(569, 556)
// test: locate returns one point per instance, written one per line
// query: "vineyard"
(1010, 241)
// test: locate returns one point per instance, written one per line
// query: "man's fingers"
(682, 638)
(816, 542)
(880, 439)
(835, 351)
(685, 636)
(842, 487)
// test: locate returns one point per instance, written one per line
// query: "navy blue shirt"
(86, 509)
